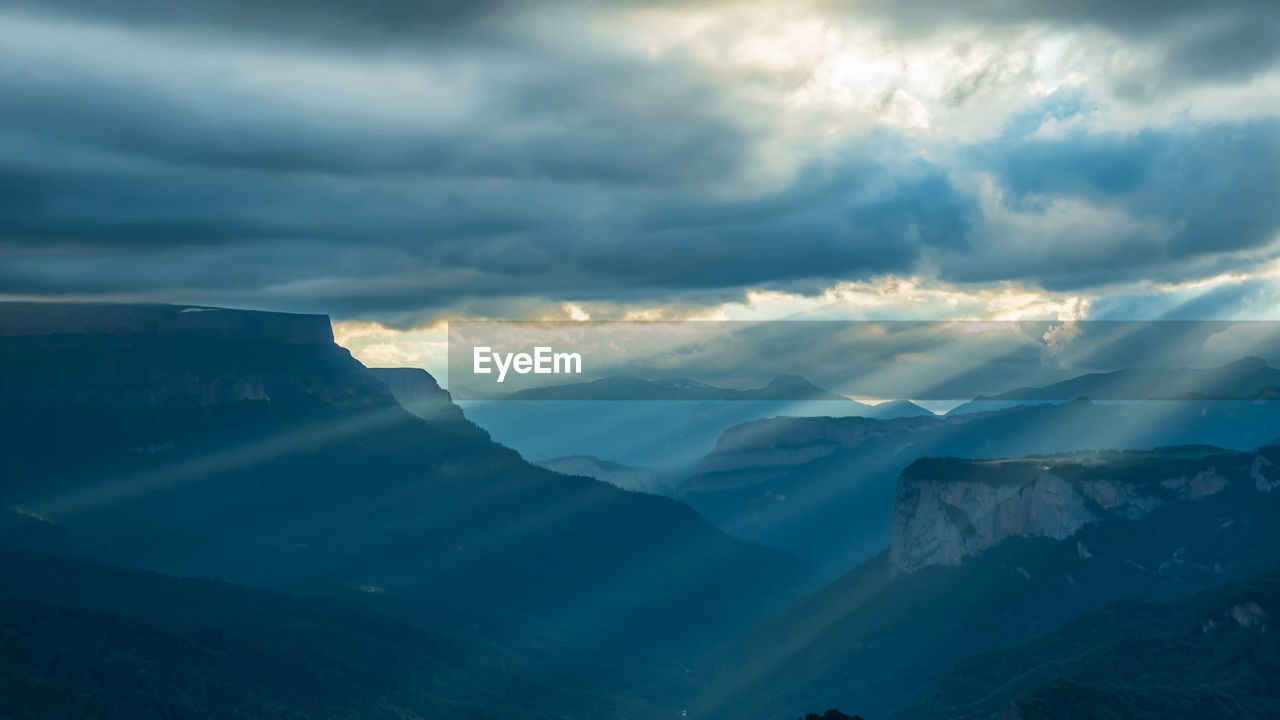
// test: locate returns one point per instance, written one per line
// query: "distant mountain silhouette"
(1245, 379)
(783, 387)
(896, 409)
(612, 419)
(624, 476)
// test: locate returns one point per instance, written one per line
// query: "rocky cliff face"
(948, 509)
(419, 393)
(129, 358)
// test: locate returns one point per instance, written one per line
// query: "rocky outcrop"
(949, 509)
(1264, 471)
(419, 393)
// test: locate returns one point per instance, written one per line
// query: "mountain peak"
(1249, 362)
(789, 381)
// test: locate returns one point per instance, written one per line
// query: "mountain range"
(219, 443)
(783, 387)
(1248, 378)
(662, 424)
(824, 488)
(219, 513)
(880, 637)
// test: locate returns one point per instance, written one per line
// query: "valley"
(241, 489)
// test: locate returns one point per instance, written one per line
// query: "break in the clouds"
(400, 161)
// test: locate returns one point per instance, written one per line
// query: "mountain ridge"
(625, 387)
(875, 642)
(291, 466)
(1247, 378)
(18, 319)
(1206, 655)
(825, 488)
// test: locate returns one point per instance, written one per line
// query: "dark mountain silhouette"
(80, 641)
(1249, 378)
(1213, 654)
(287, 464)
(895, 409)
(830, 715)
(783, 387)
(624, 476)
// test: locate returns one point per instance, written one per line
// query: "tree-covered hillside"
(1212, 655)
(84, 641)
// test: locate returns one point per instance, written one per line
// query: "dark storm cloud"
(448, 176)
(858, 218)
(328, 21)
(433, 241)
(561, 120)
(1219, 183)
(1212, 190)
(1196, 40)
(407, 155)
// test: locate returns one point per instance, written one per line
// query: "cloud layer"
(407, 161)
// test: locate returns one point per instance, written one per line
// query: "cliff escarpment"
(948, 509)
(130, 358)
(23, 319)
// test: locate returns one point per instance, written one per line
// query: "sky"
(399, 164)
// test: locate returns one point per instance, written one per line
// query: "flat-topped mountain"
(825, 488)
(118, 319)
(875, 640)
(950, 508)
(290, 465)
(235, 363)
